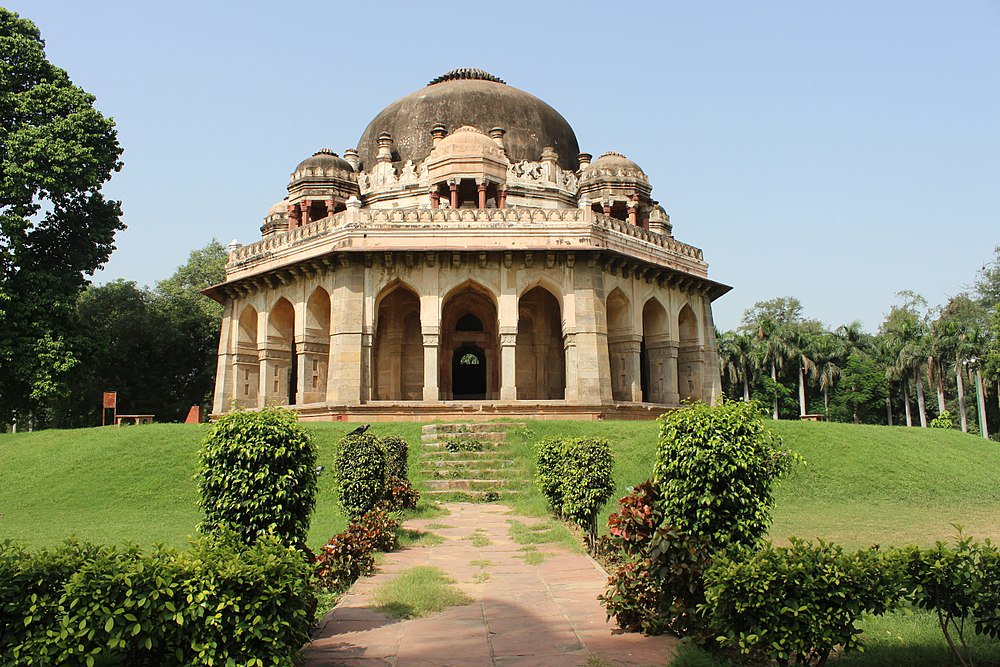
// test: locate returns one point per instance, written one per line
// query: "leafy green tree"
(827, 353)
(905, 329)
(866, 387)
(736, 359)
(55, 225)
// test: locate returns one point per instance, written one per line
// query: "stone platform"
(376, 411)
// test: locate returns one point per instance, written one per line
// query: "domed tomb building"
(466, 259)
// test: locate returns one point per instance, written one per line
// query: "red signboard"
(110, 400)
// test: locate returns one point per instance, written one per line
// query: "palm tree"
(905, 331)
(827, 353)
(736, 359)
(772, 352)
(800, 342)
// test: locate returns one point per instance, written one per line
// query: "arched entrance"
(469, 334)
(540, 354)
(281, 354)
(247, 360)
(468, 373)
(689, 355)
(654, 352)
(399, 351)
(620, 340)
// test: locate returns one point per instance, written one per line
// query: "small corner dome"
(281, 208)
(616, 163)
(325, 159)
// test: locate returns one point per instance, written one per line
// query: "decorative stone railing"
(570, 227)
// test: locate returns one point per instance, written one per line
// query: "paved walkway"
(523, 614)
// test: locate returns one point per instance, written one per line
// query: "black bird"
(361, 429)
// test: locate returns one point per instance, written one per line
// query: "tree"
(736, 358)
(867, 387)
(55, 225)
(905, 329)
(773, 323)
(156, 348)
(827, 352)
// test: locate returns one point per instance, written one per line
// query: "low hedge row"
(219, 602)
(372, 471)
(799, 603)
(350, 554)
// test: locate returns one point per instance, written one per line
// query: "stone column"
(508, 368)
(331, 205)
(306, 205)
(507, 316)
(572, 382)
(656, 355)
(453, 188)
(293, 216)
(481, 189)
(670, 395)
(225, 390)
(592, 362)
(431, 338)
(502, 197)
(712, 386)
(344, 377)
(435, 198)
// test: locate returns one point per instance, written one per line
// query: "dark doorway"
(468, 373)
(293, 375)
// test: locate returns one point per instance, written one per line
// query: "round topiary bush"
(588, 482)
(396, 453)
(258, 476)
(361, 473)
(716, 467)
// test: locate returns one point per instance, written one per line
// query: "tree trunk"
(802, 390)
(940, 390)
(906, 402)
(920, 400)
(746, 390)
(981, 402)
(888, 409)
(961, 397)
(826, 403)
(774, 378)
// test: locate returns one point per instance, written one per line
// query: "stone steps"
(480, 473)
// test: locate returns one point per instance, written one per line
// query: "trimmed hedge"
(220, 602)
(258, 476)
(576, 475)
(361, 473)
(396, 456)
(351, 554)
(796, 604)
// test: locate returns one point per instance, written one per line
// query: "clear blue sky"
(834, 151)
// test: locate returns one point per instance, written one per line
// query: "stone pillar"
(331, 205)
(301, 363)
(225, 390)
(502, 197)
(306, 211)
(508, 368)
(431, 370)
(344, 377)
(625, 360)
(430, 327)
(435, 198)
(656, 356)
(712, 385)
(275, 362)
(670, 395)
(572, 382)
(453, 187)
(607, 208)
(507, 316)
(592, 362)
(293, 216)
(481, 188)
(632, 209)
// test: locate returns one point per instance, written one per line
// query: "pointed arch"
(653, 351)
(540, 358)
(689, 355)
(280, 359)
(316, 346)
(247, 363)
(459, 380)
(620, 340)
(398, 355)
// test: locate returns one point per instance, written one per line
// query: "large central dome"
(477, 98)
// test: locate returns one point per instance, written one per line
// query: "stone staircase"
(468, 462)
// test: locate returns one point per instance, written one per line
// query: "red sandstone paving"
(523, 615)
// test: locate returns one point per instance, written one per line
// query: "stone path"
(523, 614)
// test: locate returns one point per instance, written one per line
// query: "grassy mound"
(860, 484)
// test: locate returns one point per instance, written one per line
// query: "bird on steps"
(361, 429)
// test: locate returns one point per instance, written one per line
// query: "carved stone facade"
(474, 279)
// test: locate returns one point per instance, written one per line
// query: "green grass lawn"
(859, 485)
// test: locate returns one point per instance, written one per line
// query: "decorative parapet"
(522, 228)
